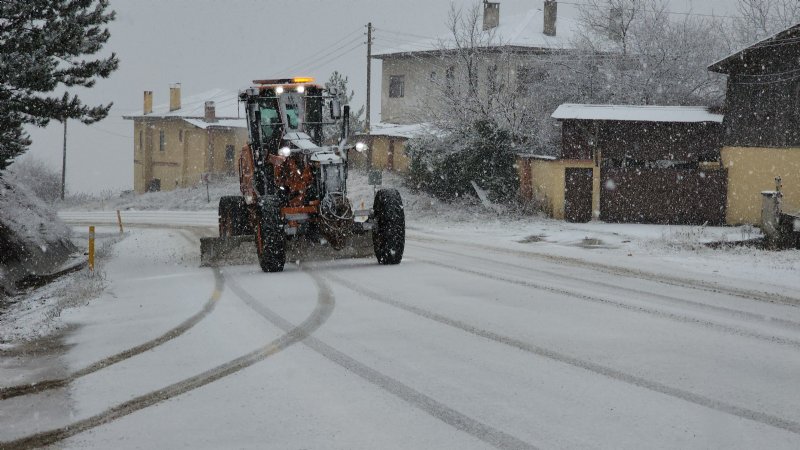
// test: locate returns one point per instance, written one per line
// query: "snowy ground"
(513, 333)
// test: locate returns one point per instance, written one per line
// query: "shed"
(387, 146)
(631, 163)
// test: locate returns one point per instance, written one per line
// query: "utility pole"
(369, 72)
(64, 161)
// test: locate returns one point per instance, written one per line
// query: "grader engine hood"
(323, 155)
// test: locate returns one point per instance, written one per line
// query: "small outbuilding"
(387, 146)
(623, 163)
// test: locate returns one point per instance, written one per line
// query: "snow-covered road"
(468, 343)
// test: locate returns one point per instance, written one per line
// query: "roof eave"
(723, 65)
(161, 116)
(492, 49)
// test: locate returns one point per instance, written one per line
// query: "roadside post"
(206, 180)
(119, 221)
(91, 249)
(375, 178)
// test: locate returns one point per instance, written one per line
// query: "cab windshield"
(292, 115)
(269, 121)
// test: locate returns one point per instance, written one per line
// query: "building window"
(162, 141)
(180, 135)
(397, 86)
(140, 139)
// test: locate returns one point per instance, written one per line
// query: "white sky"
(205, 44)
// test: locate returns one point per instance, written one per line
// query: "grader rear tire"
(389, 232)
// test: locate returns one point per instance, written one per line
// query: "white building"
(408, 71)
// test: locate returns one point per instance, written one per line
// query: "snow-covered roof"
(397, 130)
(220, 123)
(521, 31)
(537, 156)
(636, 113)
(225, 101)
(782, 36)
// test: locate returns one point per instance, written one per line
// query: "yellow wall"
(195, 156)
(380, 148)
(547, 179)
(186, 153)
(220, 139)
(138, 156)
(752, 170)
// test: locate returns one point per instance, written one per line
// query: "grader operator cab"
(294, 187)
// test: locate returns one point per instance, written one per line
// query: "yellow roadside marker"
(91, 249)
(119, 221)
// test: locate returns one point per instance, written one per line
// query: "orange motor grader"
(294, 186)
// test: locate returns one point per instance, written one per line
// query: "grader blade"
(357, 246)
(227, 251)
(240, 250)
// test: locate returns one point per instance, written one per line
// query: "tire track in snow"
(700, 305)
(634, 308)
(625, 272)
(450, 416)
(183, 327)
(293, 335)
(609, 372)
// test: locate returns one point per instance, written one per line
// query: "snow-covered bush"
(445, 167)
(43, 181)
(32, 238)
(28, 217)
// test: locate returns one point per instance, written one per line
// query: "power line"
(387, 30)
(715, 16)
(774, 74)
(310, 58)
(334, 57)
(785, 80)
(304, 63)
(96, 128)
(776, 43)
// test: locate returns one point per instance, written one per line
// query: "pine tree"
(44, 46)
(338, 83)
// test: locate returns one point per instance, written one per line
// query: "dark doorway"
(230, 155)
(154, 185)
(578, 195)
(390, 156)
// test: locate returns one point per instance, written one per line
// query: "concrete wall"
(186, 154)
(752, 170)
(417, 70)
(547, 183)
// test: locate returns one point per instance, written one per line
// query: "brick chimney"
(210, 112)
(148, 102)
(550, 16)
(174, 96)
(491, 15)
